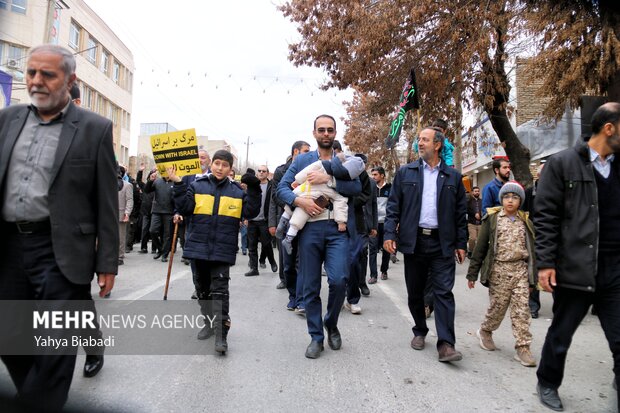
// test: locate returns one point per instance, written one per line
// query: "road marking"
(136, 295)
(400, 304)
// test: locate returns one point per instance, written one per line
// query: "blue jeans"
(244, 238)
(320, 241)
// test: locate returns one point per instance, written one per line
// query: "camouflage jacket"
(484, 254)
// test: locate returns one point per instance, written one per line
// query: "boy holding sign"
(216, 205)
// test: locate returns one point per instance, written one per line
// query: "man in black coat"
(577, 223)
(59, 219)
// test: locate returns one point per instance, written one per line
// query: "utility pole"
(247, 151)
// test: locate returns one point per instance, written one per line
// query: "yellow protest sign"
(178, 148)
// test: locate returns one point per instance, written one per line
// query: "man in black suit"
(59, 210)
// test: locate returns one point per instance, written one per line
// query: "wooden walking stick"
(172, 249)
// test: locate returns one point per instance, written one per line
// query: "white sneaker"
(353, 308)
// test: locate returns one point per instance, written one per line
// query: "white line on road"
(399, 303)
(136, 295)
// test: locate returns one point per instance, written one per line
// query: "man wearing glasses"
(320, 239)
(258, 229)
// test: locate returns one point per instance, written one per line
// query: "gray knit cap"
(514, 187)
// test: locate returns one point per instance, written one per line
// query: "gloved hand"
(251, 181)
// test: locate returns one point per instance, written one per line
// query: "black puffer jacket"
(566, 218)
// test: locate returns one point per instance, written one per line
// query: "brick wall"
(529, 104)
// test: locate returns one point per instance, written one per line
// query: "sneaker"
(353, 308)
(394, 258)
(384, 276)
(486, 339)
(524, 356)
(291, 305)
(372, 280)
(262, 265)
(300, 311)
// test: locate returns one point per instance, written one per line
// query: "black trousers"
(258, 231)
(211, 281)
(161, 227)
(28, 271)
(376, 245)
(428, 259)
(146, 232)
(281, 253)
(570, 307)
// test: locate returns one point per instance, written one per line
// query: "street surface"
(376, 370)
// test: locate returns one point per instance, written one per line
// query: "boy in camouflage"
(504, 256)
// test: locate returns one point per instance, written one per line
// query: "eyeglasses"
(262, 170)
(328, 130)
(513, 196)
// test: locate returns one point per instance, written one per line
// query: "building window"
(74, 36)
(105, 62)
(14, 58)
(91, 50)
(116, 72)
(88, 98)
(17, 6)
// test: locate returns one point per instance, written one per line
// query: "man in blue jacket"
(320, 240)
(425, 220)
(490, 193)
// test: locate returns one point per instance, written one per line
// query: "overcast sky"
(250, 88)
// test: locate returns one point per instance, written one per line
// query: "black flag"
(408, 100)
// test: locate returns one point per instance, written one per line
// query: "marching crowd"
(329, 214)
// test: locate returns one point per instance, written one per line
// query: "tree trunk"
(496, 108)
(518, 153)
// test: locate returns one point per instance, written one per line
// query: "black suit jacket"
(83, 193)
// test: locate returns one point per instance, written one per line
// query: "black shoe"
(158, 256)
(365, 290)
(194, 295)
(244, 252)
(281, 286)
(164, 258)
(185, 261)
(549, 397)
(143, 251)
(534, 314)
(262, 265)
(107, 295)
(121, 262)
(92, 365)
(334, 341)
(206, 332)
(251, 273)
(314, 349)
(274, 267)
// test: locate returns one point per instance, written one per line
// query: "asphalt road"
(376, 370)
